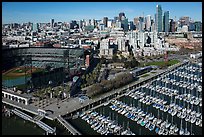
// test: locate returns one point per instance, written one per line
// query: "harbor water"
(17, 126)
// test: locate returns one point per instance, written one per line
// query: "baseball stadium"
(36, 66)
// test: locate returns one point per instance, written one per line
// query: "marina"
(114, 69)
(168, 105)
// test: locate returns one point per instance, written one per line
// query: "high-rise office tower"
(131, 25)
(191, 26)
(73, 24)
(184, 21)
(172, 25)
(166, 21)
(152, 29)
(148, 22)
(109, 23)
(115, 19)
(35, 27)
(141, 24)
(101, 26)
(80, 24)
(118, 24)
(158, 19)
(124, 24)
(89, 21)
(105, 21)
(198, 26)
(93, 22)
(136, 23)
(52, 23)
(120, 15)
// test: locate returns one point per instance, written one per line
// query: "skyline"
(42, 12)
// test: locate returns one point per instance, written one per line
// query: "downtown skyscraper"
(166, 21)
(158, 18)
(148, 22)
(52, 23)
(120, 15)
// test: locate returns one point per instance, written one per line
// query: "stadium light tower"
(66, 60)
(166, 57)
(24, 64)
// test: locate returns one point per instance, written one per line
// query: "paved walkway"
(66, 106)
(68, 126)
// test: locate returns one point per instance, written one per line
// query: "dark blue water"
(15, 125)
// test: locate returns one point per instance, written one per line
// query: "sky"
(41, 12)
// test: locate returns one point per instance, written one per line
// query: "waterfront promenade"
(72, 106)
(69, 105)
(68, 126)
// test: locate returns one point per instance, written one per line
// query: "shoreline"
(21, 123)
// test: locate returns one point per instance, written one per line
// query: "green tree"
(91, 79)
(67, 88)
(83, 77)
(102, 60)
(87, 79)
(107, 85)
(95, 89)
(115, 58)
(135, 63)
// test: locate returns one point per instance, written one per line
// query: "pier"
(68, 126)
(35, 120)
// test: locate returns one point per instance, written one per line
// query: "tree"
(94, 89)
(57, 91)
(91, 79)
(83, 78)
(122, 58)
(107, 85)
(67, 89)
(87, 79)
(103, 60)
(135, 63)
(115, 57)
(82, 85)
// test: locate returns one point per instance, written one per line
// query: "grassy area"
(21, 87)
(162, 63)
(22, 70)
(172, 62)
(153, 72)
(7, 76)
(145, 75)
